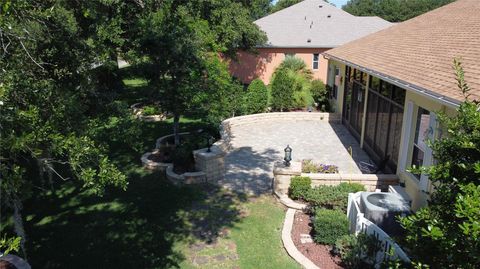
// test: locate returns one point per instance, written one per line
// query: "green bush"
(358, 251)
(351, 187)
(282, 90)
(332, 197)
(150, 110)
(299, 187)
(329, 225)
(256, 98)
(320, 95)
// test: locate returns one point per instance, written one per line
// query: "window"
(316, 57)
(335, 87)
(421, 134)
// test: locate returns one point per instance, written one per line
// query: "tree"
(281, 4)
(256, 98)
(392, 10)
(446, 234)
(298, 71)
(257, 8)
(320, 94)
(52, 94)
(177, 44)
(282, 90)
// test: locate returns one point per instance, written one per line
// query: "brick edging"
(290, 246)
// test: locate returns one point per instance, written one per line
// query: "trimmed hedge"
(299, 187)
(329, 197)
(332, 197)
(256, 98)
(329, 225)
(282, 90)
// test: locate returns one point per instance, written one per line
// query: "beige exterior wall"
(412, 184)
(249, 66)
(337, 104)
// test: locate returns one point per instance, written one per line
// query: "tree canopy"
(281, 4)
(392, 10)
(59, 81)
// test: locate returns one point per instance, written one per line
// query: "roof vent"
(329, 16)
(309, 40)
(320, 6)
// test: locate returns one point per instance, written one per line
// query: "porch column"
(364, 117)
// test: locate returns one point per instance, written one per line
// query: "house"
(304, 30)
(392, 83)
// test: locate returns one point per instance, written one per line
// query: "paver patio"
(257, 146)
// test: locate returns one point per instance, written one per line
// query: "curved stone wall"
(226, 125)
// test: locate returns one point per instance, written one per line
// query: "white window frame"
(317, 61)
(408, 142)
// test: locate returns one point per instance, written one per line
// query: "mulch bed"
(318, 254)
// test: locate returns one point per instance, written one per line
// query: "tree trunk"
(176, 123)
(18, 224)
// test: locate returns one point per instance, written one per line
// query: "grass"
(152, 224)
(258, 236)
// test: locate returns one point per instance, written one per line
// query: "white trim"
(407, 133)
(313, 61)
(428, 157)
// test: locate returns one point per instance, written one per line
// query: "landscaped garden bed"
(320, 231)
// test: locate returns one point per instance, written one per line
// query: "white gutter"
(400, 83)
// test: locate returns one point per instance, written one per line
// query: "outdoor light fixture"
(210, 141)
(288, 155)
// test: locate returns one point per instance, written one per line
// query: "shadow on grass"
(138, 228)
(141, 227)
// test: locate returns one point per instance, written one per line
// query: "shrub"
(296, 65)
(308, 166)
(299, 187)
(320, 95)
(329, 225)
(332, 197)
(358, 251)
(150, 110)
(282, 90)
(351, 187)
(256, 98)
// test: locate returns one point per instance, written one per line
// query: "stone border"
(185, 178)
(149, 164)
(226, 125)
(138, 112)
(290, 246)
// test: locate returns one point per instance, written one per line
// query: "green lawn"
(258, 236)
(152, 224)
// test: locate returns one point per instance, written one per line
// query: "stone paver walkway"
(256, 147)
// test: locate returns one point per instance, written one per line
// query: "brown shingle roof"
(420, 51)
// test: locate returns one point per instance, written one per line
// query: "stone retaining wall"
(210, 165)
(282, 177)
(226, 125)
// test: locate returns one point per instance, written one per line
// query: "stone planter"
(153, 165)
(185, 178)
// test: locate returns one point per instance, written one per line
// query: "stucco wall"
(249, 66)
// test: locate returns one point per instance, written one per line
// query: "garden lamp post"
(288, 155)
(210, 141)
